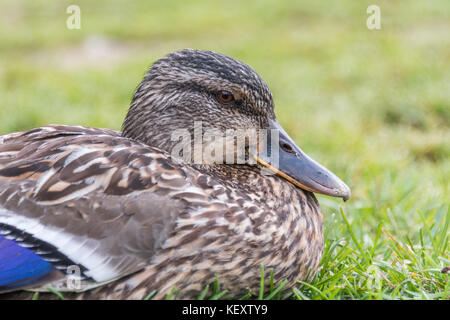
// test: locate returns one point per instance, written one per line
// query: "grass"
(372, 106)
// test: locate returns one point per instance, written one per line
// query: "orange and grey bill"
(294, 165)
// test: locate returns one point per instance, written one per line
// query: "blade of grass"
(271, 280)
(358, 245)
(150, 295)
(299, 295)
(219, 295)
(170, 295)
(54, 291)
(314, 289)
(261, 285)
(203, 293)
(273, 293)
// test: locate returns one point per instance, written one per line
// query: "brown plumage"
(152, 221)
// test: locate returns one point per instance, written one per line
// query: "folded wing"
(84, 203)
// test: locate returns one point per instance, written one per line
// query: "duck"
(201, 183)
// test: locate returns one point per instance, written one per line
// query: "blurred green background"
(371, 105)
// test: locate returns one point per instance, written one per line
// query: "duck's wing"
(81, 201)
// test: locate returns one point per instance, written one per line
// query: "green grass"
(372, 106)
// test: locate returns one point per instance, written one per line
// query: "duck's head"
(203, 102)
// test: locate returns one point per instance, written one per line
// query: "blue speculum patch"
(19, 266)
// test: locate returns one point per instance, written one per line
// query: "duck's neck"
(237, 175)
(255, 181)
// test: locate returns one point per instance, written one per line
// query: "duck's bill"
(282, 156)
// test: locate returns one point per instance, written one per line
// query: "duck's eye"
(225, 96)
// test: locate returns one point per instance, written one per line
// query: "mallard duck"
(104, 214)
